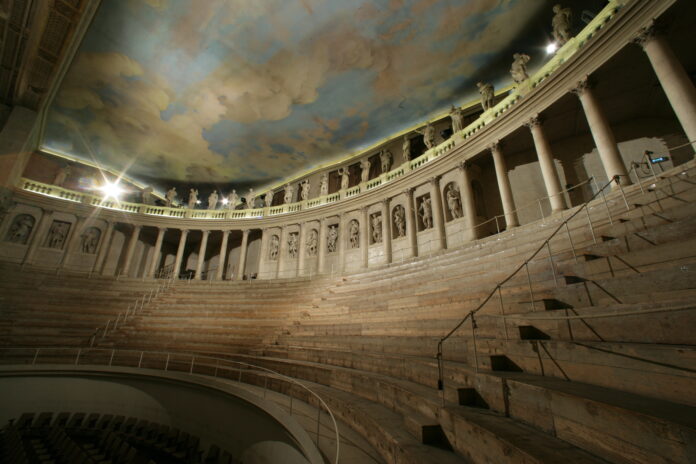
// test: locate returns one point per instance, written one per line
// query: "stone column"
(73, 239)
(130, 250)
(322, 246)
(38, 235)
(673, 78)
(341, 243)
(263, 253)
(301, 251)
(156, 252)
(201, 254)
(364, 238)
(504, 187)
(548, 168)
(282, 249)
(180, 253)
(438, 214)
(411, 224)
(386, 231)
(222, 259)
(602, 134)
(468, 201)
(243, 255)
(103, 252)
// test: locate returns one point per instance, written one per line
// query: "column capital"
(385, 202)
(137, 227)
(245, 232)
(47, 211)
(161, 229)
(408, 191)
(322, 221)
(226, 232)
(205, 231)
(434, 180)
(464, 165)
(582, 86)
(646, 34)
(534, 121)
(495, 146)
(184, 231)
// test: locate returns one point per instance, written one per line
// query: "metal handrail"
(167, 355)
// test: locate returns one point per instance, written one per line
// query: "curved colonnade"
(426, 205)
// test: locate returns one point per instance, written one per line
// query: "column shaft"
(72, 241)
(263, 254)
(38, 236)
(364, 238)
(438, 214)
(282, 249)
(130, 250)
(386, 231)
(156, 252)
(243, 255)
(222, 259)
(341, 243)
(548, 168)
(468, 202)
(103, 248)
(201, 254)
(301, 250)
(411, 224)
(322, 246)
(504, 187)
(180, 254)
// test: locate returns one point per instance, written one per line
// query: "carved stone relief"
(354, 234)
(21, 228)
(293, 241)
(312, 242)
(273, 248)
(454, 202)
(57, 235)
(90, 240)
(332, 240)
(376, 224)
(399, 217)
(425, 212)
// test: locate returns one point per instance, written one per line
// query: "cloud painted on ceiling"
(226, 91)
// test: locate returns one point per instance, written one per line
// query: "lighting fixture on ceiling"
(551, 48)
(111, 190)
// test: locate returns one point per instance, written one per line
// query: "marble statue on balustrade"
(21, 228)
(292, 244)
(147, 197)
(90, 240)
(457, 117)
(386, 159)
(57, 234)
(454, 202)
(345, 177)
(324, 184)
(518, 70)
(305, 188)
(332, 239)
(428, 133)
(487, 95)
(365, 170)
(289, 193)
(232, 200)
(425, 211)
(251, 199)
(400, 221)
(376, 221)
(406, 149)
(213, 200)
(62, 175)
(170, 197)
(193, 198)
(354, 234)
(268, 199)
(312, 242)
(561, 23)
(273, 248)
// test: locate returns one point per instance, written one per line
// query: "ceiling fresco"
(248, 92)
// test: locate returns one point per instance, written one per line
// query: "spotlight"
(551, 48)
(111, 190)
(225, 201)
(198, 202)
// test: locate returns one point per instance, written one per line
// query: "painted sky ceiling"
(251, 91)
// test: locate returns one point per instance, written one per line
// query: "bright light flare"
(551, 48)
(225, 201)
(111, 190)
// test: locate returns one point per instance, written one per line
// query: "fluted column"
(131, 249)
(38, 236)
(201, 253)
(341, 243)
(322, 246)
(501, 174)
(103, 252)
(411, 224)
(282, 249)
(156, 252)
(386, 231)
(243, 255)
(364, 238)
(468, 201)
(438, 215)
(73, 238)
(180, 253)
(222, 259)
(602, 134)
(673, 78)
(302, 250)
(548, 168)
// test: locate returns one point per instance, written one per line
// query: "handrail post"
(529, 281)
(36, 355)
(318, 423)
(570, 239)
(604, 199)
(553, 268)
(166, 364)
(193, 359)
(473, 332)
(623, 194)
(106, 328)
(541, 211)
(140, 361)
(589, 222)
(77, 358)
(502, 312)
(111, 359)
(497, 226)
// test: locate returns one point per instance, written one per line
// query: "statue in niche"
(193, 198)
(385, 158)
(425, 211)
(147, 197)
(406, 149)
(268, 199)
(332, 240)
(454, 202)
(457, 117)
(376, 220)
(292, 244)
(251, 199)
(62, 175)
(213, 200)
(519, 67)
(354, 234)
(561, 23)
(90, 240)
(365, 170)
(57, 234)
(289, 192)
(273, 248)
(400, 221)
(21, 228)
(324, 184)
(428, 133)
(233, 199)
(345, 178)
(305, 187)
(170, 197)
(487, 95)
(312, 243)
